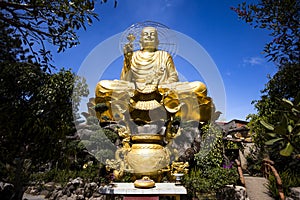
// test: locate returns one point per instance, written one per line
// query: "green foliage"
(111, 135)
(39, 22)
(62, 176)
(35, 104)
(284, 136)
(99, 146)
(211, 152)
(34, 24)
(281, 19)
(209, 180)
(99, 141)
(207, 176)
(254, 162)
(285, 83)
(233, 145)
(36, 112)
(80, 90)
(11, 49)
(195, 183)
(36, 118)
(289, 178)
(92, 120)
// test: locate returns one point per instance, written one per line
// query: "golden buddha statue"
(144, 101)
(149, 88)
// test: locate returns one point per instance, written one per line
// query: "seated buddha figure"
(149, 89)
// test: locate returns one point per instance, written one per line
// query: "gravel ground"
(256, 188)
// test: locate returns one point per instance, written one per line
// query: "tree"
(35, 112)
(284, 84)
(281, 19)
(35, 104)
(38, 22)
(36, 116)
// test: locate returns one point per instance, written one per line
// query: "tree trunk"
(18, 182)
(18, 195)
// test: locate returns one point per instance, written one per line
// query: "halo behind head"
(167, 37)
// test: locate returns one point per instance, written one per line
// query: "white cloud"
(228, 73)
(253, 61)
(168, 3)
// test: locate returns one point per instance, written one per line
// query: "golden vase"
(147, 155)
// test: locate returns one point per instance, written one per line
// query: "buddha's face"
(149, 39)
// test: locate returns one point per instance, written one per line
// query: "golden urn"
(147, 155)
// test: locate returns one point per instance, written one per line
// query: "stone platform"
(129, 192)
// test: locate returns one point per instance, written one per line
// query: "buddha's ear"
(157, 42)
(156, 37)
(141, 43)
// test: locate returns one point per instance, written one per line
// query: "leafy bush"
(100, 145)
(254, 161)
(211, 152)
(283, 137)
(62, 176)
(209, 180)
(208, 176)
(289, 178)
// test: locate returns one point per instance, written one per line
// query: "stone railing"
(268, 168)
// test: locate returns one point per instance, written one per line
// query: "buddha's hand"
(128, 48)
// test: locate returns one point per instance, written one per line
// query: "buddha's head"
(149, 39)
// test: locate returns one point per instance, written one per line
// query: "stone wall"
(232, 192)
(75, 189)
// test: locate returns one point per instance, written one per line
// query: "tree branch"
(17, 6)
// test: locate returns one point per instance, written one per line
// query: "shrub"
(62, 176)
(289, 178)
(209, 180)
(211, 152)
(208, 176)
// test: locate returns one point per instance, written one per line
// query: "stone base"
(130, 192)
(141, 198)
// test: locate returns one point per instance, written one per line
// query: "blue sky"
(233, 45)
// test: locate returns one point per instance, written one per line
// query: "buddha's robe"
(149, 81)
